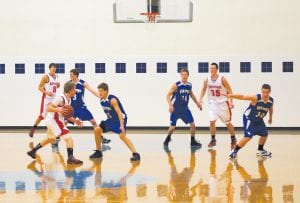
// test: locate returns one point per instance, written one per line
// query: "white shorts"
(43, 108)
(219, 110)
(56, 128)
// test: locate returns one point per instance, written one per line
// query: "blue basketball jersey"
(77, 100)
(182, 95)
(256, 113)
(109, 110)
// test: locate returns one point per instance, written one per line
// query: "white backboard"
(129, 11)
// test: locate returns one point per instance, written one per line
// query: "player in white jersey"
(219, 106)
(48, 85)
(56, 124)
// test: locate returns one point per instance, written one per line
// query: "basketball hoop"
(150, 17)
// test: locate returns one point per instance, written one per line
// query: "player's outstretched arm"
(169, 96)
(115, 105)
(202, 92)
(252, 98)
(89, 88)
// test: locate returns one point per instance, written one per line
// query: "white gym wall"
(83, 32)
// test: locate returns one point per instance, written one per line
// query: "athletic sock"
(37, 147)
(261, 147)
(232, 138)
(34, 126)
(70, 152)
(237, 148)
(213, 137)
(193, 139)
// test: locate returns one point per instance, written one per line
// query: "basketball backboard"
(129, 11)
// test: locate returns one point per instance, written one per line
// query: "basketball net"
(150, 20)
(150, 17)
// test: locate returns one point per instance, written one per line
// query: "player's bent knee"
(122, 136)
(98, 130)
(66, 137)
(247, 139)
(212, 122)
(51, 140)
(173, 127)
(228, 123)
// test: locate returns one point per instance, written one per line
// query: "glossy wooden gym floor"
(180, 175)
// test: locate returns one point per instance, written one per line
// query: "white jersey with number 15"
(216, 90)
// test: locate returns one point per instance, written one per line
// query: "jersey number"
(184, 98)
(260, 115)
(54, 89)
(215, 93)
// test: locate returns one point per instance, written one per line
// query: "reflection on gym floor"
(179, 188)
(175, 174)
(71, 182)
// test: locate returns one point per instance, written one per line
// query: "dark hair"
(184, 70)
(266, 86)
(69, 86)
(52, 64)
(103, 86)
(215, 64)
(75, 72)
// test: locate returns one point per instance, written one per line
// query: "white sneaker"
(263, 153)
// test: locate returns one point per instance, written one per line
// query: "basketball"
(70, 111)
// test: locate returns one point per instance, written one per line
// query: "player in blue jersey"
(253, 119)
(115, 122)
(80, 109)
(178, 100)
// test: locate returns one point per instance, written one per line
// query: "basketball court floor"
(178, 174)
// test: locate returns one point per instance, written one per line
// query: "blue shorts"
(83, 114)
(251, 129)
(185, 115)
(112, 125)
